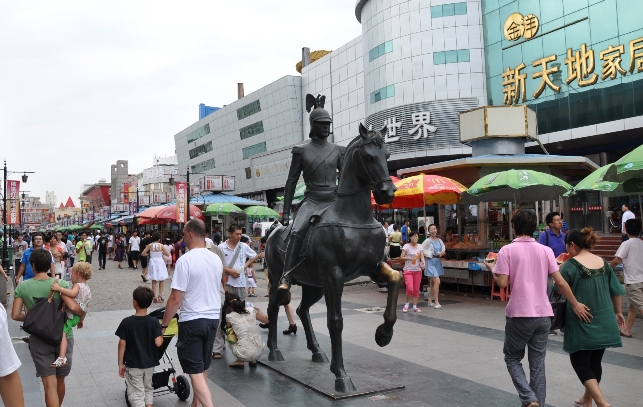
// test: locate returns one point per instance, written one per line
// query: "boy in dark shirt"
(139, 335)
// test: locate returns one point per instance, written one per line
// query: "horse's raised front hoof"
(382, 336)
(344, 385)
(275, 356)
(320, 357)
(282, 297)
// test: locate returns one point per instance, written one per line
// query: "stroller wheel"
(182, 387)
(127, 400)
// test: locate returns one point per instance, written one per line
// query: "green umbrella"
(260, 212)
(595, 182)
(222, 209)
(518, 186)
(628, 167)
(95, 226)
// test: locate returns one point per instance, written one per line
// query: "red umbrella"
(168, 215)
(151, 212)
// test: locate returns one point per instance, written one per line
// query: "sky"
(84, 84)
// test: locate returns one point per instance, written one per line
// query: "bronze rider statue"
(320, 161)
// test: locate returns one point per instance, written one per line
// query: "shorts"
(635, 295)
(110, 250)
(194, 344)
(144, 261)
(70, 323)
(135, 254)
(251, 282)
(44, 355)
(240, 291)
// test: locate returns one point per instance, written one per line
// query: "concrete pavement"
(447, 357)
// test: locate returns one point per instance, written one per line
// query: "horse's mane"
(373, 137)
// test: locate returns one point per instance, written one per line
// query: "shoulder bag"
(559, 306)
(45, 320)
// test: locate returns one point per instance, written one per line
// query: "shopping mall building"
(418, 64)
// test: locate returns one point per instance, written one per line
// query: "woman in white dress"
(156, 268)
(249, 345)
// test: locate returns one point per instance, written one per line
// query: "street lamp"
(6, 173)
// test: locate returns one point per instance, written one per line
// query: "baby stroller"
(179, 385)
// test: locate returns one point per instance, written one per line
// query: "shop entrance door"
(585, 210)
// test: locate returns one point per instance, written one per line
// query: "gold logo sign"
(517, 26)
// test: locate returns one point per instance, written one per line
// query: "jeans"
(102, 259)
(533, 333)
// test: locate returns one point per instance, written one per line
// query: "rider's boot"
(292, 256)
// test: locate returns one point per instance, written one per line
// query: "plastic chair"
(500, 293)
(507, 290)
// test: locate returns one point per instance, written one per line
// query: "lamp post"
(5, 251)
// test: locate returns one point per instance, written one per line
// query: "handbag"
(559, 306)
(45, 320)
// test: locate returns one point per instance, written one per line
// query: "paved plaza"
(447, 357)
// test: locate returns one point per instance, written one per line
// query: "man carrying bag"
(47, 325)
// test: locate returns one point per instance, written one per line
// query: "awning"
(222, 197)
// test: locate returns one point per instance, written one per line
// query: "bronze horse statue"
(345, 242)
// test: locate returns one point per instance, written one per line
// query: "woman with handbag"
(43, 347)
(434, 248)
(594, 283)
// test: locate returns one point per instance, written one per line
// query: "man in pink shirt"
(526, 264)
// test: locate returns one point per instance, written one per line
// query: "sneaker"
(417, 310)
(405, 309)
(383, 290)
(437, 306)
(553, 332)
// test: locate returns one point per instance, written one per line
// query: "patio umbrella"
(222, 209)
(423, 189)
(95, 227)
(595, 182)
(628, 167)
(168, 214)
(151, 212)
(260, 212)
(518, 186)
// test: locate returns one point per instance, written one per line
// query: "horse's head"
(372, 154)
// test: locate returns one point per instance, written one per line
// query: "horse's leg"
(273, 313)
(333, 287)
(385, 274)
(310, 296)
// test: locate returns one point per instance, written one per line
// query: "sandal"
(60, 362)
(216, 355)
(237, 364)
(161, 299)
(155, 300)
(143, 277)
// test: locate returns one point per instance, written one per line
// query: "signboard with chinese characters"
(181, 189)
(212, 183)
(159, 197)
(579, 67)
(228, 183)
(13, 215)
(144, 200)
(133, 207)
(421, 126)
(118, 208)
(106, 212)
(126, 193)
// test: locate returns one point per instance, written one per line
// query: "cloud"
(88, 83)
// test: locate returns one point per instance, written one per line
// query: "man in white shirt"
(236, 254)
(630, 253)
(110, 246)
(390, 228)
(208, 241)
(134, 247)
(627, 215)
(195, 289)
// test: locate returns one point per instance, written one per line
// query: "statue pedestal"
(317, 376)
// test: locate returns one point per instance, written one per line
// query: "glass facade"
(383, 48)
(383, 93)
(446, 10)
(198, 133)
(248, 110)
(575, 62)
(254, 149)
(200, 150)
(450, 57)
(203, 166)
(251, 130)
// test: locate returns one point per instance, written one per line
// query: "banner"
(181, 194)
(13, 187)
(133, 208)
(89, 216)
(228, 183)
(106, 211)
(159, 197)
(125, 193)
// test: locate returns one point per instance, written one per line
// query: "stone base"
(318, 377)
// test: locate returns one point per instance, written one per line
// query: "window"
(251, 130)
(449, 57)
(254, 149)
(447, 10)
(200, 150)
(248, 173)
(198, 133)
(387, 92)
(203, 166)
(248, 110)
(380, 50)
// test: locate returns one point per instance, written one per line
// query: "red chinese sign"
(13, 187)
(181, 194)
